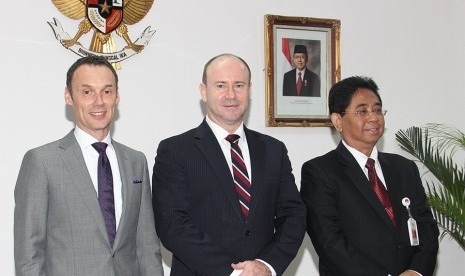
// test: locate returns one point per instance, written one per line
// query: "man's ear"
(203, 92)
(68, 97)
(336, 119)
(117, 97)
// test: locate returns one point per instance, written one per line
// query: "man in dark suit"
(355, 231)
(225, 206)
(301, 81)
(83, 204)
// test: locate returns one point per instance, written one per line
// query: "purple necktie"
(105, 190)
(241, 177)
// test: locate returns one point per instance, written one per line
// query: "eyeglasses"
(366, 112)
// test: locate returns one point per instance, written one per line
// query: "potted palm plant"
(435, 145)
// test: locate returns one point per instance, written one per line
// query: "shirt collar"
(220, 133)
(360, 157)
(85, 140)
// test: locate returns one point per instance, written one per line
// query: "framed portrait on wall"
(302, 63)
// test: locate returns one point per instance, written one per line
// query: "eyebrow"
(365, 105)
(236, 82)
(90, 86)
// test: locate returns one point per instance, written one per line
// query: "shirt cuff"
(236, 272)
(419, 274)
(273, 272)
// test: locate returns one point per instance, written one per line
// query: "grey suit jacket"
(59, 228)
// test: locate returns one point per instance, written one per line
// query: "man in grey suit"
(79, 211)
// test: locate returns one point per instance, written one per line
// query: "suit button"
(247, 233)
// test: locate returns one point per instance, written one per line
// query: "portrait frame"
(321, 40)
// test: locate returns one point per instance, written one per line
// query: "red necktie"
(241, 177)
(299, 83)
(380, 190)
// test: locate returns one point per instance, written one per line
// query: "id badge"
(412, 224)
(413, 232)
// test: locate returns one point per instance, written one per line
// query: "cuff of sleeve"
(236, 273)
(273, 272)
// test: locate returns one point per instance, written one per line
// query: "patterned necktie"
(299, 83)
(105, 190)
(380, 190)
(241, 177)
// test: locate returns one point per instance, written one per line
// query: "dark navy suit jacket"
(349, 227)
(197, 211)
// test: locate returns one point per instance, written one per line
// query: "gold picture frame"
(319, 39)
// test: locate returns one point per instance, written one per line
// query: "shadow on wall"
(306, 246)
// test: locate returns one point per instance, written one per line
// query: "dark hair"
(204, 75)
(89, 60)
(340, 95)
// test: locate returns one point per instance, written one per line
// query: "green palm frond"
(451, 138)
(434, 146)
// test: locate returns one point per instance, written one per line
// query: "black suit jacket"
(310, 84)
(349, 227)
(197, 211)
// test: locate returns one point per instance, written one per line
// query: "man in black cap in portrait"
(301, 81)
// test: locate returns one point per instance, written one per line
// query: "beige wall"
(414, 49)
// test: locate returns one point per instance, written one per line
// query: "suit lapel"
(307, 79)
(359, 180)
(126, 181)
(293, 87)
(206, 142)
(74, 162)
(392, 177)
(257, 160)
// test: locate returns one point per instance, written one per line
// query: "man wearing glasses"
(367, 212)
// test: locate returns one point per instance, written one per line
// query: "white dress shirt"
(302, 74)
(221, 135)
(85, 141)
(362, 160)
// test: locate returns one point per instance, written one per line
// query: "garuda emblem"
(103, 17)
